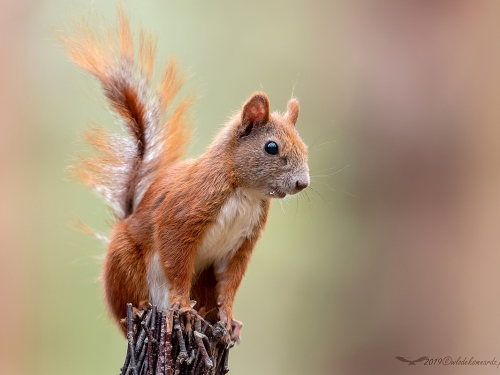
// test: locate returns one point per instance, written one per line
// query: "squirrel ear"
(255, 112)
(292, 110)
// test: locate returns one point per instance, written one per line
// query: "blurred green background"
(393, 251)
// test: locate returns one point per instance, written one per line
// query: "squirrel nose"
(301, 185)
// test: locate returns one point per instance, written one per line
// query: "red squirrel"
(184, 230)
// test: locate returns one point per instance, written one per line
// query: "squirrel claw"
(236, 326)
(191, 311)
(176, 306)
(183, 309)
(233, 329)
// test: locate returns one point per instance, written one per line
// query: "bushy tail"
(126, 164)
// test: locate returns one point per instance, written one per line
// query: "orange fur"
(122, 166)
(173, 210)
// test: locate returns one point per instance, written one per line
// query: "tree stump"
(174, 342)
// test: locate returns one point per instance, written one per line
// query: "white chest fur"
(236, 221)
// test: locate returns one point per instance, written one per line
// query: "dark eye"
(271, 148)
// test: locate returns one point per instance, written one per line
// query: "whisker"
(295, 85)
(327, 169)
(301, 202)
(296, 209)
(307, 196)
(336, 188)
(323, 170)
(331, 174)
(321, 149)
(321, 144)
(323, 183)
(318, 194)
(309, 205)
(316, 140)
(281, 204)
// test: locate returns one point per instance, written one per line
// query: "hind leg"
(124, 274)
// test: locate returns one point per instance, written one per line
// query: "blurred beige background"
(397, 254)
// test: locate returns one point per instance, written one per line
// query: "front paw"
(233, 327)
(236, 326)
(186, 310)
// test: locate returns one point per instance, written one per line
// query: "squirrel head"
(268, 155)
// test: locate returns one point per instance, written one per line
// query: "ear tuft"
(292, 110)
(256, 110)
